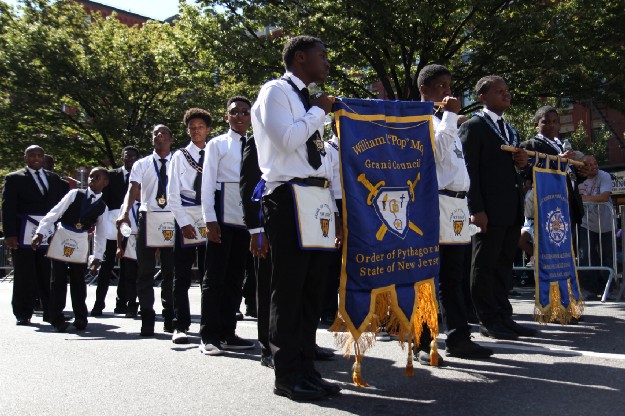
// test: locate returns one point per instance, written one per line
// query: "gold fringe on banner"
(386, 314)
(555, 311)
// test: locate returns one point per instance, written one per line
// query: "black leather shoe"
(497, 331)
(468, 349)
(131, 313)
(423, 358)
(330, 388)
(147, 325)
(300, 391)
(96, 312)
(80, 324)
(23, 322)
(61, 326)
(267, 361)
(323, 354)
(518, 329)
(120, 310)
(239, 316)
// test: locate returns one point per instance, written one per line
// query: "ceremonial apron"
(314, 217)
(454, 220)
(130, 252)
(69, 245)
(159, 229)
(194, 211)
(29, 225)
(231, 205)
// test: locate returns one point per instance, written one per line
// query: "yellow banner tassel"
(555, 312)
(356, 372)
(409, 365)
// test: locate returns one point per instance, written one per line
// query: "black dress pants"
(58, 290)
(146, 258)
(493, 257)
(223, 283)
(297, 288)
(184, 257)
(31, 271)
(131, 269)
(104, 278)
(263, 300)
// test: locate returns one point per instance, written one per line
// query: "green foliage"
(596, 146)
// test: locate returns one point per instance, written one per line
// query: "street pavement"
(109, 370)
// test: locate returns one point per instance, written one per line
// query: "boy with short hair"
(185, 199)
(76, 213)
(496, 206)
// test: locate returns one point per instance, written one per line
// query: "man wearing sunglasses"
(227, 236)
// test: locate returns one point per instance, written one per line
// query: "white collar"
(157, 157)
(492, 115)
(298, 82)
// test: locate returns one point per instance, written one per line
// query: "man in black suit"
(496, 206)
(29, 192)
(113, 195)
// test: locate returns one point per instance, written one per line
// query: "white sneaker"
(211, 348)
(179, 337)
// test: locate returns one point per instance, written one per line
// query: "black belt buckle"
(319, 182)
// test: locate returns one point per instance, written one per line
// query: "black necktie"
(314, 158)
(502, 128)
(126, 176)
(197, 183)
(160, 195)
(44, 190)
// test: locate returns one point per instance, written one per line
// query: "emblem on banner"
(167, 228)
(458, 218)
(556, 226)
(391, 206)
(69, 246)
(324, 214)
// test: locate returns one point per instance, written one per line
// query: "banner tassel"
(409, 365)
(356, 372)
(433, 353)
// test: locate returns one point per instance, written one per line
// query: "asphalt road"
(109, 370)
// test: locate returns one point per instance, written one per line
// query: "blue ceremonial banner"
(390, 199)
(557, 289)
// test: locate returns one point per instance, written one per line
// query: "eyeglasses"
(235, 112)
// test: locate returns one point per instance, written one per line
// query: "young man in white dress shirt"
(453, 184)
(148, 184)
(287, 125)
(184, 200)
(228, 238)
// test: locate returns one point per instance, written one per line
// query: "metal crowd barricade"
(6, 263)
(592, 254)
(594, 242)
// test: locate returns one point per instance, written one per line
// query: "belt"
(319, 182)
(453, 194)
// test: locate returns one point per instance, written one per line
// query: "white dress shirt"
(451, 170)
(282, 126)
(42, 175)
(144, 174)
(495, 118)
(99, 236)
(181, 179)
(222, 164)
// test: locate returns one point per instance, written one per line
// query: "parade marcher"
(435, 84)
(287, 124)
(76, 213)
(148, 184)
(113, 195)
(496, 207)
(28, 195)
(228, 239)
(184, 200)
(126, 253)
